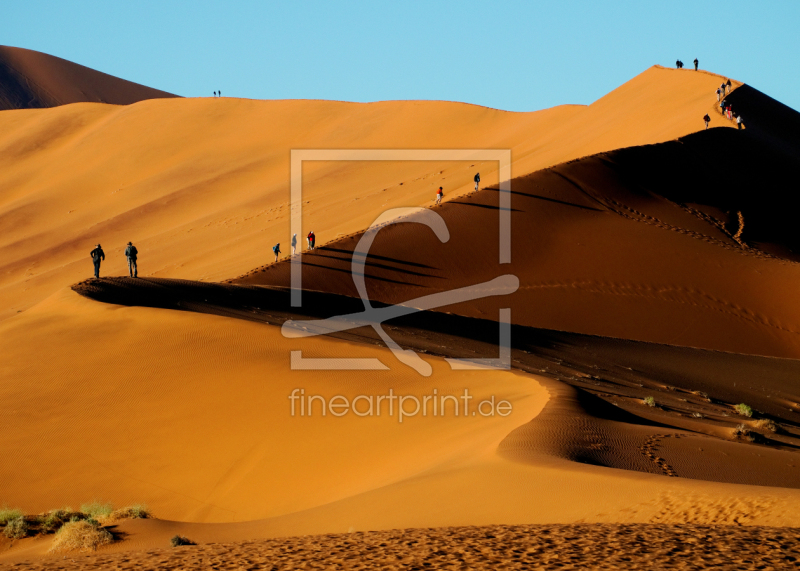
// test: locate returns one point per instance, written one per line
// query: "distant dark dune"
(30, 80)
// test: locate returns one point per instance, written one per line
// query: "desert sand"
(636, 281)
(490, 547)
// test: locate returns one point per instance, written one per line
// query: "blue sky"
(517, 56)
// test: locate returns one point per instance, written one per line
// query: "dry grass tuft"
(80, 535)
(179, 540)
(766, 424)
(649, 401)
(743, 433)
(16, 528)
(744, 410)
(136, 511)
(97, 509)
(7, 514)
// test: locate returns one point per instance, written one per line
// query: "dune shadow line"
(548, 199)
(377, 257)
(381, 266)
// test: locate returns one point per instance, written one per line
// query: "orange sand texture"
(189, 413)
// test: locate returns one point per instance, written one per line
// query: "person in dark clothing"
(695, 64)
(739, 122)
(220, 93)
(707, 119)
(679, 64)
(131, 253)
(97, 256)
(477, 180)
(276, 249)
(312, 239)
(215, 94)
(728, 85)
(722, 105)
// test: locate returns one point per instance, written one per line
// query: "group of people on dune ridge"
(312, 238)
(725, 107)
(679, 64)
(131, 253)
(312, 241)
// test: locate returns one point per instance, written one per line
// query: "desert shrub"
(649, 401)
(179, 540)
(16, 528)
(136, 511)
(744, 433)
(80, 536)
(766, 424)
(697, 414)
(7, 514)
(744, 410)
(54, 519)
(97, 509)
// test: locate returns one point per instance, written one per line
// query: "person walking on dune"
(294, 244)
(312, 239)
(707, 119)
(276, 249)
(132, 253)
(728, 85)
(722, 107)
(215, 94)
(477, 180)
(97, 256)
(719, 93)
(695, 64)
(739, 122)
(439, 195)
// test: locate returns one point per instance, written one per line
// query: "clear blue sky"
(509, 55)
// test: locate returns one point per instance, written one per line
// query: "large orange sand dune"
(202, 185)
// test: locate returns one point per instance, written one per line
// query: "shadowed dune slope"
(189, 413)
(596, 412)
(30, 79)
(688, 242)
(201, 186)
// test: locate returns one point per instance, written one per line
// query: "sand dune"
(667, 243)
(191, 414)
(201, 185)
(215, 443)
(132, 400)
(30, 79)
(597, 386)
